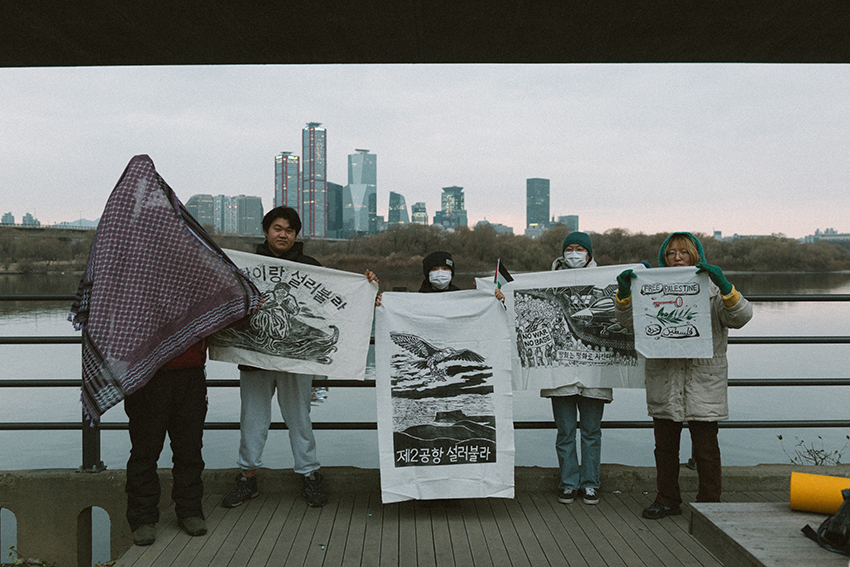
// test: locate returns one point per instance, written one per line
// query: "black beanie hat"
(439, 258)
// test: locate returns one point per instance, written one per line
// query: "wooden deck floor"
(532, 530)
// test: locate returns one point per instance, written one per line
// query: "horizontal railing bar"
(333, 383)
(733, 340)
(37, 297)
(371, 425)
(816, 297)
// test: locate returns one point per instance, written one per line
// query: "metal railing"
(91, 431)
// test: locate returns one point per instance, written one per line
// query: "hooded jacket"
(692, 389)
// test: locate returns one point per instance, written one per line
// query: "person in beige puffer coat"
(689, 390)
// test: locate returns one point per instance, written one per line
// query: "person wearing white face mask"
(571, 400)
(439, 269)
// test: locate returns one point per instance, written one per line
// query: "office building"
(30, 220)
(569, 221)
(202, 207)
(397, 213)
(536, 203)
(8, 218)
(418, 214)
(249, 216)
(453, 212)
(334, 192)
(360, 197)
(287, 180)
(313, 177)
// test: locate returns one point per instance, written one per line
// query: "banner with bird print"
(443, 381)
(564, 331)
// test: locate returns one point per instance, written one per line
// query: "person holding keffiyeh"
(154, 288)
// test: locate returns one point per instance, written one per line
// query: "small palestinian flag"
(502, 276)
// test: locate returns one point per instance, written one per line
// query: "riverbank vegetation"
(401, 249)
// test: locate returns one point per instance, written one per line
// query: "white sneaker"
(591, 496)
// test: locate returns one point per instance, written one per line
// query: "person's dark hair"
(287, 213)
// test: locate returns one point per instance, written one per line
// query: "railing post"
(91, 446)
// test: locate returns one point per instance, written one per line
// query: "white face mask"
(575, 259)
(440, 278)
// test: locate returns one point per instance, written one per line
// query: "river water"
(40, 450)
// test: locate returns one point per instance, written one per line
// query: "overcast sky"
(747, 149)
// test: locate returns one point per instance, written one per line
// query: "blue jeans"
(565, 409)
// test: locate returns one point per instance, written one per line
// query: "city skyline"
(747, 149)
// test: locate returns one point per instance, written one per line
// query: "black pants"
(173, 402)
(706, 454)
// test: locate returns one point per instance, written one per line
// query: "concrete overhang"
(39, 33)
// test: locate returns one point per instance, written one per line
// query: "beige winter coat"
(693, 389)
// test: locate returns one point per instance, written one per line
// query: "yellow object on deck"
(817, 493)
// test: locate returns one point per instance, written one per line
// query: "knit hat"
(580, 238)
(439, 258)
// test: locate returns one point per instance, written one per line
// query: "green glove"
(624, 284)
(716, 275)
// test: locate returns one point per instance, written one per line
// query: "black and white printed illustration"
(442, 400)
(570, 326)
(283, 326)
(671, 314)
(564, 330)
(312, 320)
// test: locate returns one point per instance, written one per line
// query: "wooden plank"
(373, 533)
(183, 544)
(628, 545)
(461, 550)
(514, 544)
(255, 532)
(537, 526)
(167, 530)
(319, 539)
(356, 537)
(406, 533)
(475, 534)
(587, 518)
(760, 534)
(443, 553)
(390, 536)
(286, 538)
(216, 537)
(336, 540)
(228, 547)
(670, 534)
(263, 549)
(489, 526)
(424, 534)
(563, 536)
(646, 544)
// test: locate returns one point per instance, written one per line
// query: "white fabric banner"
(672, 313)
(564, 331)
(445, 411)
(313, 320)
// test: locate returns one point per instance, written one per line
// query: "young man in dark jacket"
(281, 226)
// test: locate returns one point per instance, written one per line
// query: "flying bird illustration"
(431, 356)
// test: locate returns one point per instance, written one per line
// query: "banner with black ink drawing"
(672, 314)
(564, 331)
(313, 320)
(445, 414)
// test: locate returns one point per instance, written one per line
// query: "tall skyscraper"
(249, 216)
(536, 203)
(314, 174)
(334, 200)
(360, 197)
(397, 213)
(453, 213)
(224, 215)
(202, 207)
(418, 214)
(287, 180)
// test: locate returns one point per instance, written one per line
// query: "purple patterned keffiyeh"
(155, 284)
